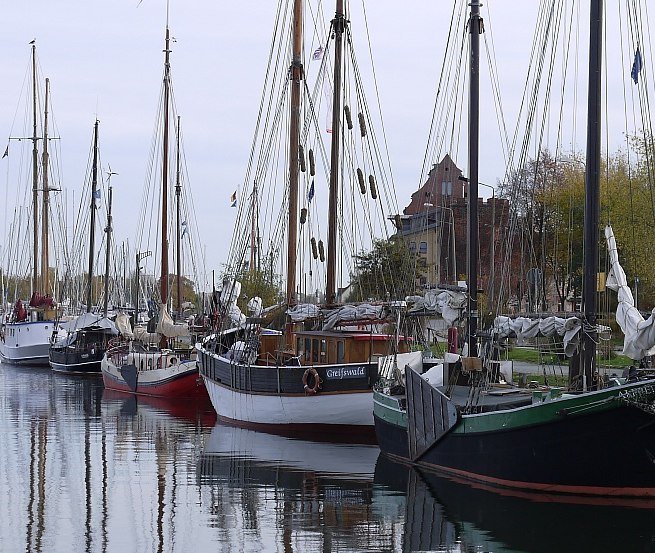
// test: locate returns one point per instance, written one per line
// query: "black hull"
(392, 439)
(608, 453)
(75, 362)
(284, 380)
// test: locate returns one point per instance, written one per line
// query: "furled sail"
(167, 326)
(449, 303)
(525, 327)
(639, 333)
(123, 325)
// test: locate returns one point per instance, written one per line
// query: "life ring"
(312, 390)
(173, 361)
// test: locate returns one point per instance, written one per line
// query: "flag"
(6, 152)
(318, 53)
(310, 195)
(185, 228)
(636, 66)
(96, 194)
(233, 199)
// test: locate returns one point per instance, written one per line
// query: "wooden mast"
(92, 230)
(475, 28)
(296, 75)
(592, 195)
(294, 144)
(108, 230)
(164, 185)
(178, 237)
(44, 202)
(35, 182)
(338, 28)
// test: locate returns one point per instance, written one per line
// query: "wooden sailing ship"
(305, 374)
(159, 360)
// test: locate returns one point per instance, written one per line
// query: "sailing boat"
(312, 375)
(27, 329)
(84, 345)
(600, 441)
(159, 360)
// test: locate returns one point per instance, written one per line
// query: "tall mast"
(35, 182)
(45, 201)
(108, 230)
(178, 238)
(164, 178)
(338, 28)
(592, 196)
(92, 230)
(294, 144)
(475, 28)
(297, 74)
(254, 229)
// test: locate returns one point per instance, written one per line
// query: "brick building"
(434, 226)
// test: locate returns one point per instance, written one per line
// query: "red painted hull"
(189, 385)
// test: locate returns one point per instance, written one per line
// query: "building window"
(423, 247)
(412, 247)
(446, 188)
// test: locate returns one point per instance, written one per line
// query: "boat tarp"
(90, 320)
(639, 333)
(354, 312)
(303, 311)
(449, 303)
(167, 326)
(523, 328)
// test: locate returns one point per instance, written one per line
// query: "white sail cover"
(123, 326)
(449, 303)
(168, 328)
(303, 311)
(639, 333)
(524, 328)
(229, 296)
(142, 335)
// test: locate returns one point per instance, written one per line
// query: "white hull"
(26, 342)
(346, 409)
(338, 460)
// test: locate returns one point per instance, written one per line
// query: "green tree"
(259, 283)
(386, 272)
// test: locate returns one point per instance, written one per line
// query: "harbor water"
(85, 470)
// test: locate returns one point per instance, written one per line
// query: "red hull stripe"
(552, 488)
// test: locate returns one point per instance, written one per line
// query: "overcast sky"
(104, 59)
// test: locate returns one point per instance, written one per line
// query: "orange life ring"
(312, 390)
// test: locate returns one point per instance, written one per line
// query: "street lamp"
(493, 233)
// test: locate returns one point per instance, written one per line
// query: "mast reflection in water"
(83, 470)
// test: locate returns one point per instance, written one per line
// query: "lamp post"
(493, 233)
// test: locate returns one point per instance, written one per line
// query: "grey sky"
(105, 59)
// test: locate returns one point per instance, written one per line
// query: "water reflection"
(82, 472)
(85, 470)
(445, 515)
(312, 496)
